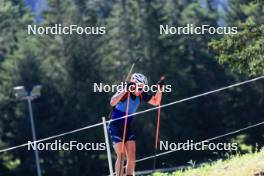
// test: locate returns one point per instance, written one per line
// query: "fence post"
(108, 148)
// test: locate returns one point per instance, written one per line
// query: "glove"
(161, 82)
(130, 86)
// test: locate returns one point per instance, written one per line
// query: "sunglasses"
(140, 89)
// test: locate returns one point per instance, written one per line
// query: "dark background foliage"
(68, 65)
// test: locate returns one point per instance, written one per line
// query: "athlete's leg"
(131, 157)
(118, 150)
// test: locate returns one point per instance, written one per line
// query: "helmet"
(139, 78)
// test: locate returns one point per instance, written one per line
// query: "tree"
(14, 17)
(243, 52)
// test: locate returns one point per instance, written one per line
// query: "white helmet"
(139, 78)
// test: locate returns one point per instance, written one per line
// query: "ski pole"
(132, 67)
(156, 140)
(121, 170)
(157, 133)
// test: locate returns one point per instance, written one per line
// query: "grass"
(251, 164)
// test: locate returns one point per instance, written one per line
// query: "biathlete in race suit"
(119, 102)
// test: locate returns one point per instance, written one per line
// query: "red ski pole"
(157, 133)
(121, 170)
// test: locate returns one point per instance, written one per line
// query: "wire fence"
(134, 114)
(206, 140)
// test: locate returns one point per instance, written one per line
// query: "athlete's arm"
(117, 97)
(156, 99)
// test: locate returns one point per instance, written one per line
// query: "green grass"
(251, 164)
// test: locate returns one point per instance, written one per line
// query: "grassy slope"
(242, 165)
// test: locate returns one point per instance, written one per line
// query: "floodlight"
(20, 92)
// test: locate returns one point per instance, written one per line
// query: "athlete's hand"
(161, 82)
(130, 86)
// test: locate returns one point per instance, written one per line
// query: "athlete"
(119, 101)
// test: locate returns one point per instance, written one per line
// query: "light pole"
(22, 94)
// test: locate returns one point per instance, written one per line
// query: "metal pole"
(33, 134)
(108, 148)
